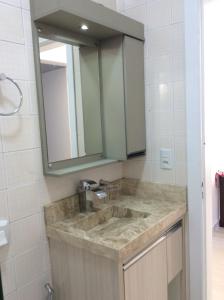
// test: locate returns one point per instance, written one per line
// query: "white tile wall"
(24, 190)
(11, 296)
(159, 13)
(19, 133)
(25, 234)
(15, 3)
(29, 266)
(14, 62)
(3, 205)
(11, 28)
(25, 263)
(8, 276)
(25, 201)
(10, 97)
(2, 173)
(164, 85)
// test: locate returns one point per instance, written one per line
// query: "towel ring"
(4, 77)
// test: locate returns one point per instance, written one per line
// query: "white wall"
(214, 95)
(23, 189)
(165, 87)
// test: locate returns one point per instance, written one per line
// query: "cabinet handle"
(174, 228)
(143, 253)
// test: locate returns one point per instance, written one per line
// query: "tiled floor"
(218, 265)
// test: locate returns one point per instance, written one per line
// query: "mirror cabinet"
(89, 64)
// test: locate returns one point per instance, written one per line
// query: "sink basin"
(107, 217)
(113, 226)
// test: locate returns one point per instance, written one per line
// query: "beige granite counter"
(122, 227)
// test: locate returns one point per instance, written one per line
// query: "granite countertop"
(120, 228)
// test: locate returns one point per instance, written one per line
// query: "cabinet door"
(134, 95)
(146, 277)
(174, 252)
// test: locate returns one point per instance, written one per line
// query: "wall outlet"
(166, 159)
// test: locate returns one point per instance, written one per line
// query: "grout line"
(11, 5)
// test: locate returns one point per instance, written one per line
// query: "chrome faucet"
(85, 189)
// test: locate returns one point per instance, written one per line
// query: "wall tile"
(159, 13)
(178, 43)
(181, 174)
(25, 234)
(30, 71)
(158, 142)
(178, 67)
(13, 64)
(4, 214)
(8, 277)
(25, 201)
(180, 149)
(25, 4)
(161, 123)
(27, 27)
(177, 11)
(146, 44)
(147, 99)
(34, 290)
(162, 176)
(159, 70)
(138, 169)
(32, 93)
(2, 173)
(12, 296)
(160, 97)
(11, 24)
(180, 123)
(138, 13)
(20, 133)
(160, 41)
(1, 147)
(133, 3)
(120, 5)
(12, 2)
(46, 253)
(9, 97)
(29, 267)
(179, 95)
(23, 167)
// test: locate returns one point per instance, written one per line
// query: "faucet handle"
(87, 185)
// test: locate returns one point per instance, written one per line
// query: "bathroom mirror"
(71, 99)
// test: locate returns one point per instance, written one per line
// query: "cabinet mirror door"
(71, 100)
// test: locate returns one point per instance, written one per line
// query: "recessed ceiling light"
(84, 27)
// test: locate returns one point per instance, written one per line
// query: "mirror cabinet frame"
(121, 27)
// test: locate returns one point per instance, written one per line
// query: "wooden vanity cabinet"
(146, 279)
(156, 273)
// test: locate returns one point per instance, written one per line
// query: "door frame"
(197, 213)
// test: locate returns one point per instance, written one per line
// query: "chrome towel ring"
(4, 77)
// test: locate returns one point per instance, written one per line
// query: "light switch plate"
(166, 159)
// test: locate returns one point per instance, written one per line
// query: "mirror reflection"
(71, 93)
